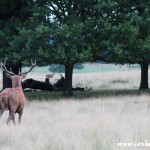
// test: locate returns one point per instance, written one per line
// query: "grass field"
(94, 124)
(113, 111)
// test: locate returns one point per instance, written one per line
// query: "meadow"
(114, 111)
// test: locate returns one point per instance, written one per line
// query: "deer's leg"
(8, 120)
(2, 106)
(20, 115)
(11, 117)
(1, 112)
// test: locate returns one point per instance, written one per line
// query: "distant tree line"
(71, 31)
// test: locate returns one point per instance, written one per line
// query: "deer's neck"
(17, 85)
(19, 90)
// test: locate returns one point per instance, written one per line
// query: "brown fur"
(50, 75)
(13, 99)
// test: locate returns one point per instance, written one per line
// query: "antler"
(61, 75)
(5, 69)
(33, 65)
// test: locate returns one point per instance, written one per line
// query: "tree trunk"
(68, 91)
(6, 81)
(144, 75)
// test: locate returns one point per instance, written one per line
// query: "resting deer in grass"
(13, 99)
(50, 75)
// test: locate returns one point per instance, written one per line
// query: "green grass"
(84, 95)
(43, 95)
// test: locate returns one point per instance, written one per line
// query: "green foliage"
(40, 96)
(70, 45)
(21, 24)
(14, 16)
(114, 31)
(132, 30)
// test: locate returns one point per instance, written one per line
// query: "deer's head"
(16, 79)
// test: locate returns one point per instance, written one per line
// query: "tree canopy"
(132, 33)
(71, 31)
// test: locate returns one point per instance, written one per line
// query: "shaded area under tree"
(47, 86)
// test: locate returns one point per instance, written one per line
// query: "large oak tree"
(132, 33)
(70, 27)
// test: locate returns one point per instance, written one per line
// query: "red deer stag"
(13, 99)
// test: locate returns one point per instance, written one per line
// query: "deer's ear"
(8, 75)
(23, 76)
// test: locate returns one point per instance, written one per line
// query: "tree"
(132, 30)
(80, 32)
(123, 29)
(69, 26)
(17, 19)
(127, 30)
(70, 47)
(14, 16)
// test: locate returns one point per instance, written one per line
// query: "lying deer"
(50, 75)
(13, 99)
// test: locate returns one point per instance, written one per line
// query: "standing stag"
(13, 99)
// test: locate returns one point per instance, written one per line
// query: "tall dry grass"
(96, 124)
